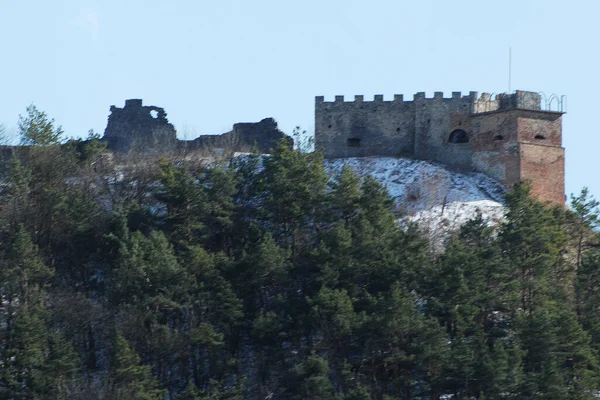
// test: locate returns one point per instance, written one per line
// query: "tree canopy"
(263, 277)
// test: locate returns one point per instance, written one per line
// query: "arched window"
(458, 136)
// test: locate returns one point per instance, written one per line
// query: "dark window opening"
(329, 126)
(460, 123)
(353, 142)
(458, 136)
(397, 129)
(540, 137)
(498, 137)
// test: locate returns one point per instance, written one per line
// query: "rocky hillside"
(430, 194)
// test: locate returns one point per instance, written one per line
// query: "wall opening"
(498, 137)
(353, 142)
(540, 137)
(154, 114)
(458, 136)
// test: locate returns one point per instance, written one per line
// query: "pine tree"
(311, 381)
(23, 277)
(36, 129)
(293, 188)
(183, 197)
(130, 379)
(534, 239)
(61, 368)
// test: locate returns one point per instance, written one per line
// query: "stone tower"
(508, 137)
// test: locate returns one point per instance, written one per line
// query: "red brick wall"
(544, 166)
(529, 128)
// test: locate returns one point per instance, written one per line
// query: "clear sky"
(213, 63)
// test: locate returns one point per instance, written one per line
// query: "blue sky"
(213, 63)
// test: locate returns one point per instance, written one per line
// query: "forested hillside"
(262, 278)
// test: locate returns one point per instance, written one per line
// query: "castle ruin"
(139, 129)
(508, 137)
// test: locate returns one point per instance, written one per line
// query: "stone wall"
(245, 136)
(139, 129)
(435, 120)
(362, 128)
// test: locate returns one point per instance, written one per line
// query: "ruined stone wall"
(140, 129)
(245, 136)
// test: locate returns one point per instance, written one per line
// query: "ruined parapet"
(139, 129)
(244, 137)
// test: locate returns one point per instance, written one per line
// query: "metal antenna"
(509, 67)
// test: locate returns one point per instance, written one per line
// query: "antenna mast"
(509, 67)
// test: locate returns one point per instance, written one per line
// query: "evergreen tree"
(534, 240)
(36, 129)
(23, 278)
(184, 198)
(310, 381)
(293, 188)
(130, 379)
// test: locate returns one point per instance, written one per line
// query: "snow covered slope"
(438, 199)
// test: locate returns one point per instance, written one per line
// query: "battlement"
(486, 102)
(398, 98)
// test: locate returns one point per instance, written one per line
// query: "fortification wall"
(362, 128)
(436, 118)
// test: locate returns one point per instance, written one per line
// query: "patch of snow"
(437, 199)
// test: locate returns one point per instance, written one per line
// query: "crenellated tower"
(510, 137)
